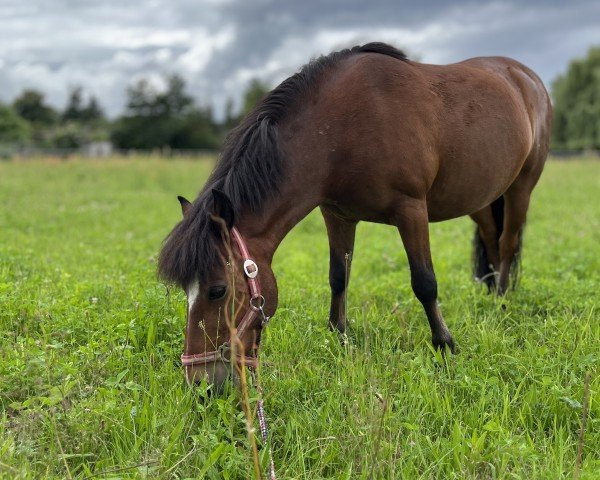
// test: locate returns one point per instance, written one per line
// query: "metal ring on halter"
(222, 349)
(260, 305)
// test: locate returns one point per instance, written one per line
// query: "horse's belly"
(464, 187)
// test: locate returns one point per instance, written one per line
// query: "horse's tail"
(482, 269)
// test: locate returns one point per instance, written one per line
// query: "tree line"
(171, 118)
(576, 99)
(152, 119)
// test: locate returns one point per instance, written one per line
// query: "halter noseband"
(257, 302)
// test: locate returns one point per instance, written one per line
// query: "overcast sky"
(219, 45)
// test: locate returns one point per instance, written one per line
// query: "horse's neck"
(265, 230)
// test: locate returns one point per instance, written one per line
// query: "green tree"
(163, 119)
(92, 112)
(74, 108)
(77, 111)
(197, 130)
(174, 101)
(255, 92)
(141, 99)
(69, 136)
(14, 130)
(576, 98)
(30, 105)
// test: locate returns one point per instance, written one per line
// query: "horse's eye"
(217, 292)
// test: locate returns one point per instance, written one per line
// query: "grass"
(90, 384)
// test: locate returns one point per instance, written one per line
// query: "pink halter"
(257, 302)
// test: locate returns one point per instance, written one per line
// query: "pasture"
(90, 382)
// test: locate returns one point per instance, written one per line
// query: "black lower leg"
(339, 269)
(424, 286)
(341, 242)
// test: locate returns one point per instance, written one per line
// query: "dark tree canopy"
(174, 101)
(92, 111)
(74, 105)
(76, 111)
(164, 119)
(576, 97)
(30, 105)
(140, 99)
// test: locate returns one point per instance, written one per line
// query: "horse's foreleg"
(413, 225)
(341, 244)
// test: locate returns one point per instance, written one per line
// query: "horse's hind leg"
(341, 243)
(413, 225)
(486, 254)
(516, 203)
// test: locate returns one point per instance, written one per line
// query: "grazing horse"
(364, 134)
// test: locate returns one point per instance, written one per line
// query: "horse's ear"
(185, 205)
(222, 207)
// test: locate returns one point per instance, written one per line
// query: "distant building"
(100, 149)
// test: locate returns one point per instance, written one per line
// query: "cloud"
(219, 46)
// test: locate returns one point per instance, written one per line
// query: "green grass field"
(90, 384)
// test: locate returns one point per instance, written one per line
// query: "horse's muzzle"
(215, 373)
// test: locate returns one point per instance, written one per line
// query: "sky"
(218, 46)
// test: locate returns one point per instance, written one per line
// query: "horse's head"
(226, 305)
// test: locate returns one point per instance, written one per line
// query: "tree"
(174, 101)
(141, 99)
(92, 111)
(255, 92)
(576, 98)
(74, 109)
(165, 119)
(30, 105)
(197, 130)
(13, 128)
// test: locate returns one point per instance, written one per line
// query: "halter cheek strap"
(256, 304)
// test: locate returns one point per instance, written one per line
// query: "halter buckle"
(250, 268)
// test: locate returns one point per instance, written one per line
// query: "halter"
(257, 302)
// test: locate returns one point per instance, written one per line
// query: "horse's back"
(458, 134)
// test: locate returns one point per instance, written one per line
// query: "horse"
(366, 134)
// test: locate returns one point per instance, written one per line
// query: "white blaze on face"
(192, 294)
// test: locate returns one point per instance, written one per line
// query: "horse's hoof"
(339, 327)
(443, 343)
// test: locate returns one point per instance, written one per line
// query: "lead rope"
(262, 423)
(260, 410)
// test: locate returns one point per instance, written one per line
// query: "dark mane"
(249, 170)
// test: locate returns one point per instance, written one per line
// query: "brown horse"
(365, 134)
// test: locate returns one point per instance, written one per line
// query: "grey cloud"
(219, 45)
